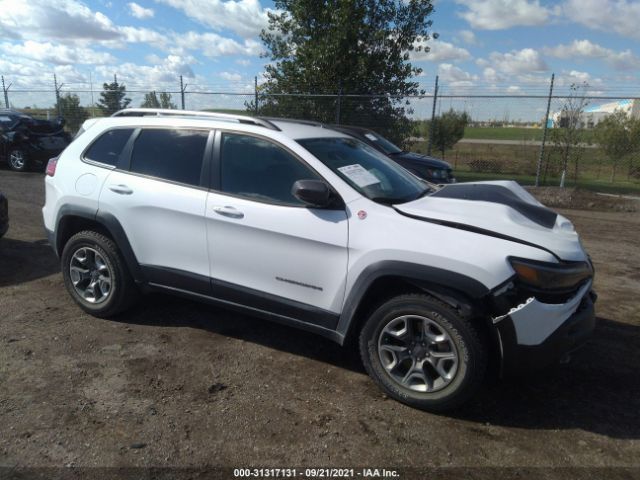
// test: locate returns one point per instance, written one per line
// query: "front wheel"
(422, 352)
(17, 160)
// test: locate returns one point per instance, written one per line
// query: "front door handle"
(121, 189)
(228, 211)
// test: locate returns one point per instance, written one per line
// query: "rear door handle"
(228, 211)
(121, 189)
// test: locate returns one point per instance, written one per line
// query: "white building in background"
(593, 114)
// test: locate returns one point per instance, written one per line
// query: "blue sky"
(509, 46)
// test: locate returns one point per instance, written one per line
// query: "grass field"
(519, 162)
(515, 134)
(489, 133)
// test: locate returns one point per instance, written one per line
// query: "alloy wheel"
(16, 159)
(90, 275)
(418, 353)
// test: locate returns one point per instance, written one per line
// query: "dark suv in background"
(27, 142)
(427, 168)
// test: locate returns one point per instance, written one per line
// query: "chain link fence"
(505, 138)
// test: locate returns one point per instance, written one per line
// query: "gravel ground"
(174, 383)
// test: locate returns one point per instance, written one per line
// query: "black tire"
(123, 290)
(13, 160)
(463, 335)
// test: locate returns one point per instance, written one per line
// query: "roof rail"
(312, 123)
(166, 112)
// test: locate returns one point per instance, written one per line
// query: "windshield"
(386, 146)
(367, 170)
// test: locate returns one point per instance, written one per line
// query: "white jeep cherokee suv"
(309, 227)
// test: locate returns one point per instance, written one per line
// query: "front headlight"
(551, 276)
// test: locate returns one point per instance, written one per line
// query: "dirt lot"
(177, 383)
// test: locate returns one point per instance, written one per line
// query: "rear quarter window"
(107, 147)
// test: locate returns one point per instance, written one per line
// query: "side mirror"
(314, 193)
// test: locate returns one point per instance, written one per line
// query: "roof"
(609, 107)
(10, 111)
(295, 129)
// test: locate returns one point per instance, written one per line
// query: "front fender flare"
(422, 276)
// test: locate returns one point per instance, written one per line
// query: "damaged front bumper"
(534, 335)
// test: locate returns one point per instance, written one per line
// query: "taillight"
(51, 166)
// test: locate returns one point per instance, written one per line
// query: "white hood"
(503, 220)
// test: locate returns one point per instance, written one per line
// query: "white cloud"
(491, 76)
(167, 71)
(576, 77)
(515, 62)
(139, 11)
(468, 37)
(625, 60)
(214, 45)
(57, 54)
(620, 16)
(244, 17)
(232, 77)
(143, 35)
(63, 20)
(454, 76)
(503, 14)
(243, 61)
(439, 52)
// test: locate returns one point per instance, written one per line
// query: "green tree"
(358, 47)
(449, 129)
(618, 137)
(151, 100)
(113, 97)
(568, 136)
(165, 101)
(73, 113)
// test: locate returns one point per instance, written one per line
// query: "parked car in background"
(422, 166)
(4, 215)
(26, 142)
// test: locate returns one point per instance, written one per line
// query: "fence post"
(544, 131)
(182, 89)
(57, 88)
(91, 90)
(433, 117)
(255, 87)
(6, 93)
(339, 103)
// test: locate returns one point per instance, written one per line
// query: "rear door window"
(108, 147)
(176, 155)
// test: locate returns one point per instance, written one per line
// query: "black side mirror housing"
(314, 193)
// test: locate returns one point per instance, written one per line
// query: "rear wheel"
(422, 352)
(17, 160)
(96, 275)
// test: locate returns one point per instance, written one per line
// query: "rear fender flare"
(113, 228)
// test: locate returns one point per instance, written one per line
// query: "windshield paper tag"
(371, 137)
(359, 175)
